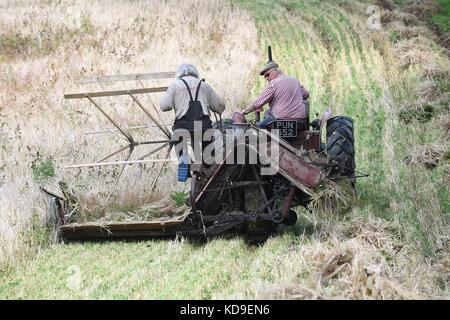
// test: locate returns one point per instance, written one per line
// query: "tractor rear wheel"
(340, 147)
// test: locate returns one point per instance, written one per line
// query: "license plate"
(288, 128)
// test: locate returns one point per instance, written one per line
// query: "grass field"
(394, 82)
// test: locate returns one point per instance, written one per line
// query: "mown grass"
(393, 244)
(149, 269)
(295, 263)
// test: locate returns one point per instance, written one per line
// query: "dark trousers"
(183, 124)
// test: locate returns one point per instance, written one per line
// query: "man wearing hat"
(285, 95)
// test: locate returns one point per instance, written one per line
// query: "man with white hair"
(191, 99)
(179, 97)
(285, 95)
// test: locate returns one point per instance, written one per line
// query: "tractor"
(228, 196)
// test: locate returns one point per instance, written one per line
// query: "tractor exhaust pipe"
(269, 51)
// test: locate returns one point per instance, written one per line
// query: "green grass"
(442, 19)
(343, 68)
(43, 168)
(179, 197)
(149, 269)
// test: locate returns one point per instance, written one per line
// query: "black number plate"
(288, 128)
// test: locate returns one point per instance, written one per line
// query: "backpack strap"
(189, 90)
(198, 89)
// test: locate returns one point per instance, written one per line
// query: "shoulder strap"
(189, 90)
(198, 89)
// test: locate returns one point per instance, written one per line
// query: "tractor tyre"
(340, 147)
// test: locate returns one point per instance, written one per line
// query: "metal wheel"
(291, 220)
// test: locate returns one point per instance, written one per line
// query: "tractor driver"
(285, 95)
(191, 99)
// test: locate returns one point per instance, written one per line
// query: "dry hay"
(331, 197)
(385, 4)
(375, 232)
(444, 121)
(420, 111)
(295, 291)
(428, 90)
(421, 52)
(428, 155)
(406, 32)
(408, 52)
(428, 101)
(415, 43)
(165, 208)
(361, 267)
(445, 41)
(361, 274)
(388, 16)
(422, 8)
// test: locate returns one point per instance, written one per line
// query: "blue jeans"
(268, 119)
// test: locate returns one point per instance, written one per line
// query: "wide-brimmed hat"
(269, 65)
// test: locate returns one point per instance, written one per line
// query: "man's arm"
(166, 102)
(216, 103)
(305, 92)
(265, 97)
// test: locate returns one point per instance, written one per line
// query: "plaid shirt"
(285, 96)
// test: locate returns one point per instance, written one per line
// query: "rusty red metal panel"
(299, 169)
(309, 139)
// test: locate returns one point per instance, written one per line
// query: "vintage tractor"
(229, 196)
